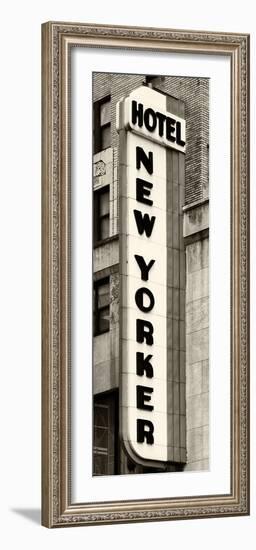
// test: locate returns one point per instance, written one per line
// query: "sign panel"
(143, 269)
(146, 115)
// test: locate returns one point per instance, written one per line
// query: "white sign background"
(85, 487)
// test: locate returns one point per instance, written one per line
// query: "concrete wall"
(106, 264)
(197, 335)
(106, 346)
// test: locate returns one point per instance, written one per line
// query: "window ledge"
(100, 333)
(106, 241)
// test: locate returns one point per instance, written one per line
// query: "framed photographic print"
(145, 274)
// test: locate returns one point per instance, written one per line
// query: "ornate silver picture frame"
(59, 505)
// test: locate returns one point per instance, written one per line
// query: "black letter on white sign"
(139, 299)
(143, 190)
(150, 119)
(144, 268)
(179, 141)
(143, 365)
(137, 112)
(170, 129)
(144, 223)
(144, 331)
(141, 157)
(161, 119)
(143, 395)
(145, 430)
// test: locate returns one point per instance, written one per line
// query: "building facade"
(187, 274)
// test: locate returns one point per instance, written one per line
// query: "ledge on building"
(106, 241)
(196, 221)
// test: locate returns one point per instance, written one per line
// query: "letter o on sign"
(139, 299)
(150, 119)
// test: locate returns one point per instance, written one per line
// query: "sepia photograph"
(150, 273)
(145, 273)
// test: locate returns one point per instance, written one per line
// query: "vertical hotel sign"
(146, 129)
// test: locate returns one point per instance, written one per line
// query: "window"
(101, 214)
(105, 440)
(101, 306)
(102, 124)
